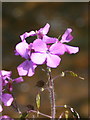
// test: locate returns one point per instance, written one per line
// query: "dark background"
(19, 17)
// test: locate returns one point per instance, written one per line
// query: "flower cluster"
(7, 86)
(43, 50)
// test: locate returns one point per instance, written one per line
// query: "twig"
(72, 110)
(57, 77)
(40, 113)
(16, 106)
(61, 116)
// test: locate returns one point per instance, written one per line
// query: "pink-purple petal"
(39, 45)
(49, 40)
(22, 49)
(1, 109)
(71, 50)
(67, 37)
(26, 68)
(27, 34)
(5, 73)
(31, 70)
(18, 80)
(57, 48)
(38, 58)
(5, 117)
(45, 29)
(16, 53)
(1, 83)
(7, 99)
(53, 60)
(23, 68)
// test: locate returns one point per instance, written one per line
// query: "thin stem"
(52, 94)
(16, 106)
(40, 113)
(61, 116)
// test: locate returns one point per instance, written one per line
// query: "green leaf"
(38, 100)
(74, 74)
(66, 114)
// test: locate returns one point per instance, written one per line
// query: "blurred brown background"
(19, 17)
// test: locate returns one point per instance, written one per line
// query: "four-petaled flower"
(44, 54)
(5, 79)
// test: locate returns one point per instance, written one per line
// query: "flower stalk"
(52, 93)
(40, 113)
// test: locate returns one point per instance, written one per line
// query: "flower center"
(47, 51)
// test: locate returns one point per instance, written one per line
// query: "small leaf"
(66, 114)
(73, 74)
(38, 100)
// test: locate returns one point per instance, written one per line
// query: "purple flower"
(41, 34)
(40, 51)
(5, 78)
(67, 37)
(27, 67)
(5, 117)
(44, 54)
(7, 100)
